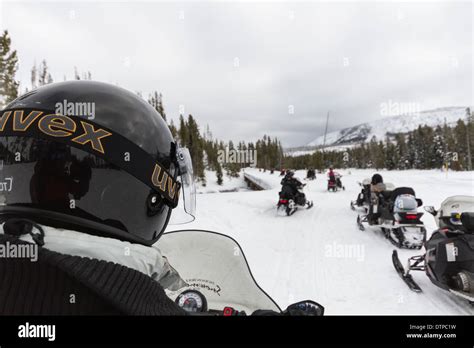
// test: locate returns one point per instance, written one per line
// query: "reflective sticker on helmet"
(160, 183)
(57, 126)
(93, 136)
(22, 124)
(3, 119)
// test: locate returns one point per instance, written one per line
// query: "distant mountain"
(389, 126)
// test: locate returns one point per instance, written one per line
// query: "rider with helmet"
(291, 188)
(93, 196)
(377, 186)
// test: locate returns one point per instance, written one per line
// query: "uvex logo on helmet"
(92, 138)
(58, 126)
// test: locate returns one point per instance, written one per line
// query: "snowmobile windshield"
(405, 203)
(186, 210)
(214, 267)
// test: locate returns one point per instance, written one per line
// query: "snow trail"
(320, 253)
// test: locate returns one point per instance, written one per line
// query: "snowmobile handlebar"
(302, 308)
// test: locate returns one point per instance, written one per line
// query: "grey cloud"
(287, 54)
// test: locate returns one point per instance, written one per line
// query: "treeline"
(216, 155)
(424, 148)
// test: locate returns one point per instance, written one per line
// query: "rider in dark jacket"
(291, 186)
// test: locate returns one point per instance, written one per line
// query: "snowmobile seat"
(401, 191)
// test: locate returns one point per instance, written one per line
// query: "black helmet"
(92, 157)
(290, 173)
(376, 179)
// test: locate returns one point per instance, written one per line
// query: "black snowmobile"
(204, 285)
(291, 196)
(449, 258)
(396, 214)
(311, 174)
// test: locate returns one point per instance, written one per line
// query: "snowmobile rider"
(311, 174)
(376, 184)
(331, 175)
(92, 196)
(334, 177)
(290, 187)
(376, 188)
(89, 198)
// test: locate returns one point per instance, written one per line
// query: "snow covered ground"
(320, 253)
(228, 184)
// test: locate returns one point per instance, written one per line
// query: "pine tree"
(173, 130)
(34, 77)
(156, 100)
(44, 77)
(438, 149)
(8, 67)
(219, 174)
(76, 74)
(183, 132)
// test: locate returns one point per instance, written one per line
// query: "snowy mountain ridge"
(391, 125)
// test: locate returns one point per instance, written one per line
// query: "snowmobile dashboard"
(195, 303)
(215, 278)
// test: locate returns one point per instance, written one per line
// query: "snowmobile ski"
(406, 277)
(360, 224)
(464, 295)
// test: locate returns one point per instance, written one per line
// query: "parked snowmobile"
(217, 282)
(449, 258)
(396, 213)
(291, 196)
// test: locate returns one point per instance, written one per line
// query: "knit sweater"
(59, 284)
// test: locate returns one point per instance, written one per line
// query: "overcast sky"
(244, 67)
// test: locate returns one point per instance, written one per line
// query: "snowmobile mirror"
(430, 209)
(419, 202)
(305, 308)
